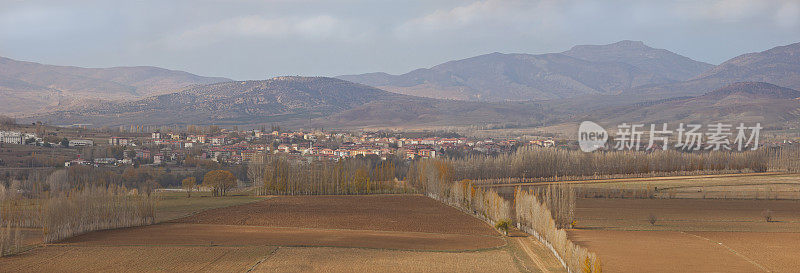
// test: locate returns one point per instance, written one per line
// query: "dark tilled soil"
(411, 213)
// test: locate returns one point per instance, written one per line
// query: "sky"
(244, 40)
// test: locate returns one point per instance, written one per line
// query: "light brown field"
(676, 251)
(135, 259)
(697, 235)
(326, 259)
(659, 251)
(373, 233)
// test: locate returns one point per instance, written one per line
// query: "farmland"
(709, 223)
(296, 233)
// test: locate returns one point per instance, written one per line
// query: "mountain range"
(27, 87)
(625, 81)
(580, 71)
(779, 66)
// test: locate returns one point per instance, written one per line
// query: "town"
(231, 146)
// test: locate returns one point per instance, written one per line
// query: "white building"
(81, 143)
(118, 141)
(15, 137)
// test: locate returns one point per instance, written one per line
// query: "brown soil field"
(325, 259)
(697, 235)
(688, 214)
(377, 233)
(206, 234)
(662, 251)
(135, 259)
(413, 213)
(774, 251)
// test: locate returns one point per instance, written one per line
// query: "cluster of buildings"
(236, 147)
(12, 137)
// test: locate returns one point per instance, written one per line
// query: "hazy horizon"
(258, 40)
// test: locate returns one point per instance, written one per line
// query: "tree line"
(277, 174)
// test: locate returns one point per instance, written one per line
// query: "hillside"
(274, 100)
(427, 112)
(42, 87)
(297, 102)
(779, 66)
(749, 102)
(583, 70)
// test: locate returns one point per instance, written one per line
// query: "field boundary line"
(731, 250)
(271, 253)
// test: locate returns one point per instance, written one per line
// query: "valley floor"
(408, 233)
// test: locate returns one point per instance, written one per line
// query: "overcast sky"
(262, 39)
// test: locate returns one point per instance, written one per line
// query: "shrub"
(503, 225)
(652, 218)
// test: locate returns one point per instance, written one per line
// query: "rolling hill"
(296, 101)
(779, 66)
(27, 87)
(583, 70)
(749, 102)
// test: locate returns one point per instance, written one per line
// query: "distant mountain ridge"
(779, 65)
(275, 99)
(749, 102)
(43, 87)
(299, 101)
(758, 87)
(660, 62)
(583, 70)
